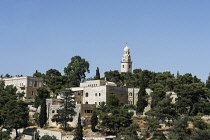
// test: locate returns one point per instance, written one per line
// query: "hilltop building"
(25, 84)
(126, 63)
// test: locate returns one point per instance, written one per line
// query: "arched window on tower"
(123, 66)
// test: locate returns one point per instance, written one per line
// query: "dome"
(126, 49)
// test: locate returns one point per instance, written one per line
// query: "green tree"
(47, 137)
(5, 135)
(54, 79)
(163, 111)
(114, 76)
(97, 77)
(7, 76)
(113, 101)
(190, 97)
(15, 115)
(78, 132)
(94, 121)
(116, 120)
(129, 133)
(20, 95)
(208, 82)
(38, 74)
(43, 114)
(66, 113)
(7, 94)
(76, 70)
(180, 130)
(158, 94)
(151, 124)
(142, 97)
(42, 94)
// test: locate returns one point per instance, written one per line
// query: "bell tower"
(126, 63)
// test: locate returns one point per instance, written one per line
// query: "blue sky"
(163, 35)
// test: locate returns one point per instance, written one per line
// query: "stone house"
(26, 84)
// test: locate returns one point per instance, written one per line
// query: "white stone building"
(25, 84)
(98, 91)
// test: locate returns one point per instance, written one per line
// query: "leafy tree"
(113, 101)
(114, 76)
(190, 97)
(201, 130)
(127, 79)
(180, 130)
(15, 115)
(7, 94)
(66, 113)
(117, 120)
(163, 111)
(42, 94)
(158, 94)
(54, 79)
(7, 76)
(53, 73)
(38, 74)
(142, 97)
(130, 106)
(94, 121)
(208, 82)
(151, 124)
(20, 95)
(187, 79)
(76, 70)
(43, 114)
(5, 135)
(97, 77)
(129, 133)
(47, 137)
(78, 132)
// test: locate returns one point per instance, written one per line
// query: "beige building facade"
(25, 84)
(98, 91)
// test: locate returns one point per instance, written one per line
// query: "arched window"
(123, 66)
(86, 102)
(86, 94)
(130, 94)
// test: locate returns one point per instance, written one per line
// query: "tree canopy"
(76, 70)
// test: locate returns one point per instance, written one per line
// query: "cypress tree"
(94, 121)
(78, 131)
(142, 95)
(208, 82)
(43, 114)
(97, 77)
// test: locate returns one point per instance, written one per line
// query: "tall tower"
(126, 63)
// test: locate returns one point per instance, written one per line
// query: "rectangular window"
(35, 83)
(99, 94)
(95, 94)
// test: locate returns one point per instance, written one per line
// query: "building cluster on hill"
(89, 95)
